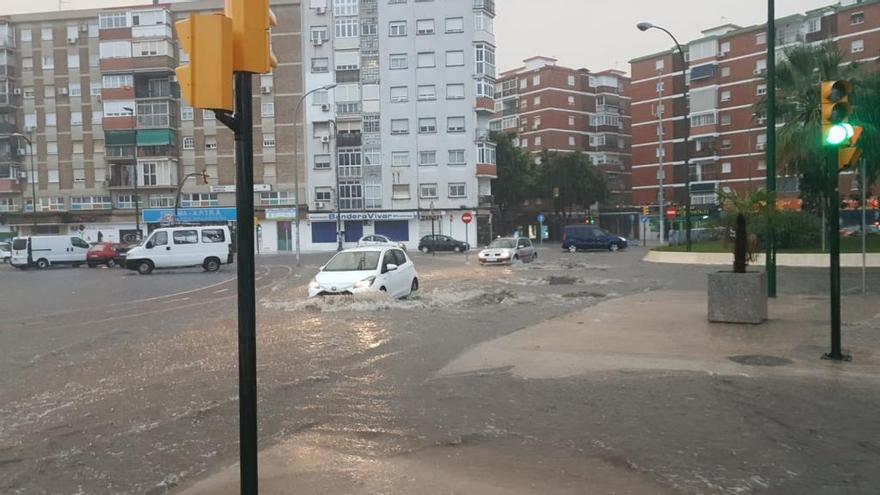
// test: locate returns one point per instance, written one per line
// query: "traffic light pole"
(833, 233)
(242, 124)
(770, 255)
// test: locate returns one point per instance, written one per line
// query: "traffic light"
(836, 129)
(206, 82)
(646, 211)
(251, 22)
(848, 155)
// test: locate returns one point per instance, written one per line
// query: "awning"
(119, 138)
(154, 137)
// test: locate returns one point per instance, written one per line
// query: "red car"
(102, 253)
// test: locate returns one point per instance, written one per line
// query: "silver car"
(379, 240)
(5, 252)
(506, 250)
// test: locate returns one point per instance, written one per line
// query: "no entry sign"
(467, 217)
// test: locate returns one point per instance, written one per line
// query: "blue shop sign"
(189, 215)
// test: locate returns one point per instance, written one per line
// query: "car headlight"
(623, 239)
(314, 284)
(365, 283)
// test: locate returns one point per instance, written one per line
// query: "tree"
(571, 180)
(866, 113)
(516, 174)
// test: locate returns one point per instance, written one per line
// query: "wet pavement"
(139, 394)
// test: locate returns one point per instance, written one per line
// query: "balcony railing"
(487, 5)
(348, 139)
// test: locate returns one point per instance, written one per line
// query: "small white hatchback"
(367, 269)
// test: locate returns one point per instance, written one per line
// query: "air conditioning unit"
(22, 152)
(16, 91)
(325, 139)
(84, 28)
(760, 146)
(30, 128)
(321, 10)
(72, 41)
(266, 89)
(318, 41)
(325, 107)
(760, 72)
(22, 175)
(319, 205)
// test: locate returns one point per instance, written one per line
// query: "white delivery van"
(45, 251)
(177, 247)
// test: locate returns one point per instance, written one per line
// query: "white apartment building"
(400, 146)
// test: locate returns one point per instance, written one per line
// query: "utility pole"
(770, 255)
(661, 171)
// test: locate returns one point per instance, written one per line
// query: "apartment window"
(210, 143)
(399, 126)
(761, 39)
(30, 121)
(50, 204)
(424, 27)
(399, 61)
(397, 28)
(74, 89)
(197, 200)
(189, 143)
(536, 101)
(322, 162)
(726, 168)
(268, 140)
(373, 195)
(428, 191)
(726, 144)
(400, 191)
(427, 125)
(724, 48)
(347, 60)
(536, 124)
(48, 62)
(46, 34)
(857, 18)
(456, 157)
(76, 118)
(725, 96)
(658, 65)
(51, 119)
(454, 58)
(454, 91)
(91, 203)
(857, 46)
(571, 140)
(762, 164)
(349, 161)
(267, 82)
(320, 65)
(345, 7)
(150, 48)
(97, 117)
(725, 119)
(484, 55)
(761, 142)
(454, 24)
(323, 194)
(115, 49)
(399, 94)
(28, 94)
(350, 195)
(113, 20)
(48, 91)
(267, 109)
(320, 98)
(427, 92)
(762, 89)
(538, 141)
(483, 22)
(814, 24)
(523, 83)
(318, 35)
(117, 81)
(425, 60)
(73, 61)
(154, 114)
(457, 190)
(26, 34)
(346, 27)
(372, 124)
(186, 113)
(725, 72)
(760, 66)
(369, 28)
(27, 64)
(400, 158)
(455, 124)
(571, 120)
(52, 149)
(427, 158)
(703, 119)
(524, 142)
(571, 80)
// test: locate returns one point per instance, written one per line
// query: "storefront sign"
(231, 189)
(364, 215)
(187, 215)
(281, 214)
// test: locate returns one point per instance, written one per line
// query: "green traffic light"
(838, 134)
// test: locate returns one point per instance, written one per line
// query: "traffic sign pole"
(466, 218)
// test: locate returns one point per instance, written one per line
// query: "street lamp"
(33, 176)
(137, 197)
(644, 26)
(326, 87)
(203, 174)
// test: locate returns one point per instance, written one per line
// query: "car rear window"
(97, 248)
(19, 244)
(185, 237)
(210, 236)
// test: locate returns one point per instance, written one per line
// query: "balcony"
(349, 139)
(486, 5)
(349, 109)
(482, 135)
(487, 201)
(485, 105)
(12, 185)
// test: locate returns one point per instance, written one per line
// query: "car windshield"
(97, 247)
(353, 261)
(503, 244)
(19, 244)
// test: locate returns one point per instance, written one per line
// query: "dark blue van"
(590, 237)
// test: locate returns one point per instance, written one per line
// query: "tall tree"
(516, 175)
(572, 181)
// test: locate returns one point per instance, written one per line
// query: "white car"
(175, 247)
(507, 250)
(5, 251)
(367, 269)
(379, 240)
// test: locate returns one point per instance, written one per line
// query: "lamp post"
(137, 197)
(33, 177)
(326, 87)
(203, 174)
(644, 26)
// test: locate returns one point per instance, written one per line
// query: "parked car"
(45, 251)
(178, 247)
(5, 251)
(433, 242)
(507, 250)
(367, 269)
(379, 240)
(856, 230)
(103, 253)
(590, 237)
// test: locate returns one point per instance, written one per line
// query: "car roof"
(367, 249)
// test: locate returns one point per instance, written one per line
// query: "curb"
(815, 260)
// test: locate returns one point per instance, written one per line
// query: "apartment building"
(400, 146)
(555, 108)
(727, 67)
(95, 92)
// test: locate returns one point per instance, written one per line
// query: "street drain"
(760, 360)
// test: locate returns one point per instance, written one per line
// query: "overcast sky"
(596, 34)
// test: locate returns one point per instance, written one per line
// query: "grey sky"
(596, 34)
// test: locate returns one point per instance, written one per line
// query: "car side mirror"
(390, 267)
(149, 245)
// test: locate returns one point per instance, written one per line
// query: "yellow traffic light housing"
(206, 82)
(252, 46)
(835, 112)
(848, 155)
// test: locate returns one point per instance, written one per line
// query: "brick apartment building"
(95, 91)
(556, 108)
(726, 67)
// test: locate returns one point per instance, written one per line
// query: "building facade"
(555, 108)
(726, 75)
(95, 92)
(400, 146)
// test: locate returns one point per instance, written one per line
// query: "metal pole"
(296, 171)
(334, 158)
(137, 198)
(687, 150)
(33, 185)
(661, 173)
(864, 187)
(833, 233)
(770, 255)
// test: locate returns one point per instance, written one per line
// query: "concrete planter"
(738, 297)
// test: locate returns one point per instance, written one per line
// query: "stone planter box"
(738, 297)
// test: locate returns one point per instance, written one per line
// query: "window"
(52, 149)
(347, 60)
(97, 117)
(26, 34)
(703, 119)
(857, 18)
(726, 144)
(397, 28)
(27, 64)
(399, 126)
(74, 89)
(46, 34)
(268, 140)
(346, 27)
(51, 120)
(48, 91)
(350, 195)
(760, 66)
(427, 125)
(658, 65)
(571, 140)
(324, 194)
(427, 158)
(483, 22)
(536, 101)
(454, 58)
(456, 157)
(73, 61)
(48, 62)
(115, 49)
(267, 109)
(428, 190)
(320, 65)
(725, 96)
(761, 39)
(113, 20)
(369, 28)
(457, 190)
(725, 119)
(725, 72)
(185, 236)
(76, 118)
(425, 60)
(318, 35)
(762, 89)
(724, 48)
(424, 27)
(322, 162)
(427, 92)
(126, 201)
(814, 24)
(857, 46)
(524, 142)
(400, 158)
(523, 83)
(210, 144)
(454, 91)
(345, 7)
(484, 55)
(486, 153)
(150, 48)
(189, 143)
(211, 236)
(91, 203)
(349, 162)
(725, 168)
(454, 25)
(197, 200)
(186, 113)
(536, 124)
(455, 124)
(399, 94)
(28, 94)
(399, 61)
(30, 121)
(485, 88)
(400, 191)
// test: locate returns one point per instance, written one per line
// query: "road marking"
(220, 291)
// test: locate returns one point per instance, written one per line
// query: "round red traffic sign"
(466, 217)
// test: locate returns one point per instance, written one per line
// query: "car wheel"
(426, 249)
(457, 249)
(145, 267)
(614, 247)
(111, 263)
(211, 265)
(535, 257)
(415, 286)
(42, 263)
(572, 249)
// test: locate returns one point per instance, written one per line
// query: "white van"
(176, 247)
(45, 251)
